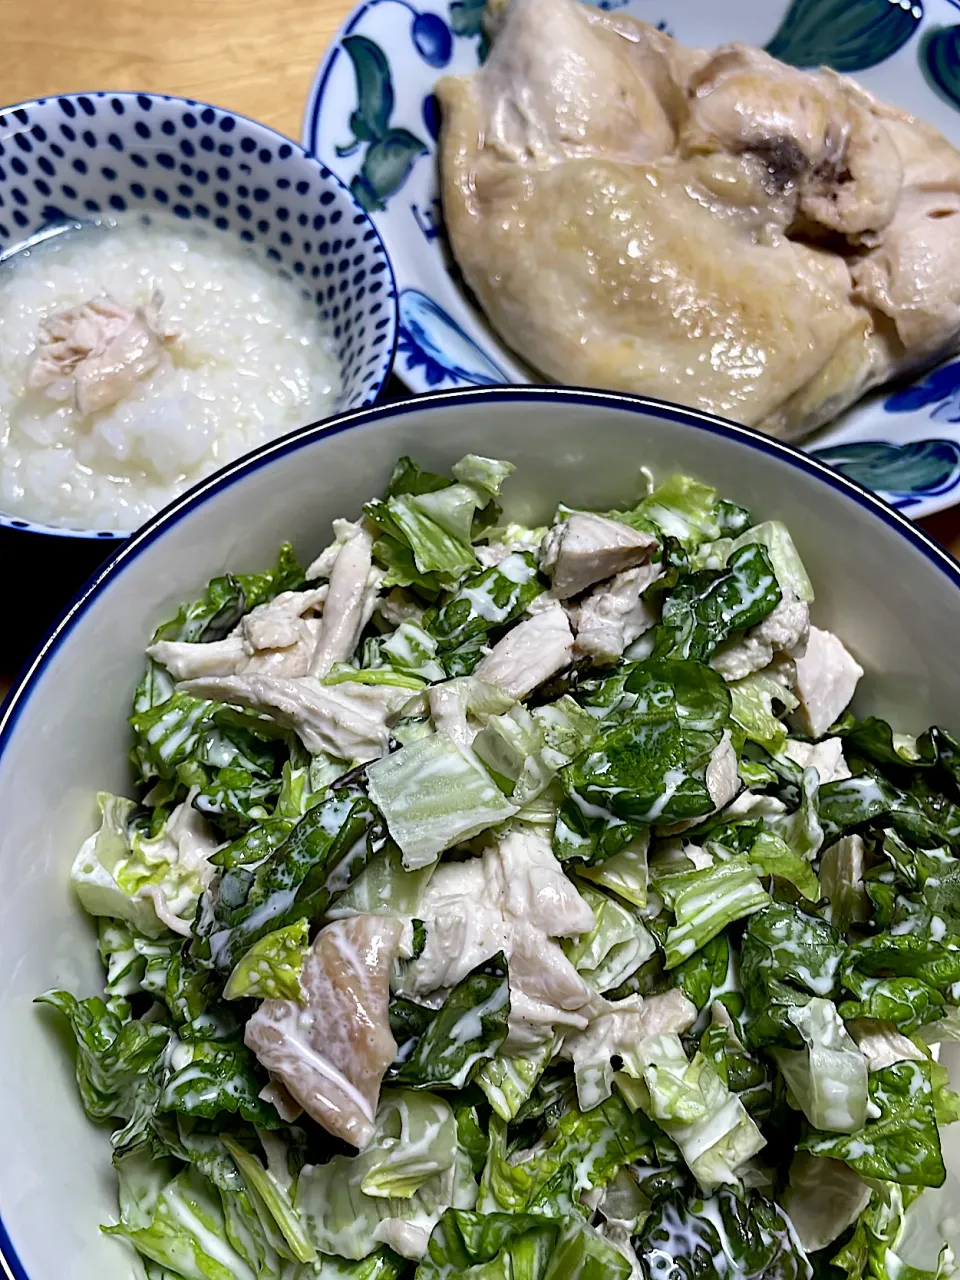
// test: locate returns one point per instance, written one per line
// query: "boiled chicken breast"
(714, 228)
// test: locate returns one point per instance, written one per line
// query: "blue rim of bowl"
(19, 525)
(208, 488)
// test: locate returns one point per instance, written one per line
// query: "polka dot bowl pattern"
(91, 155)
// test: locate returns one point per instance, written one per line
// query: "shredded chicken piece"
(529, 654)
(826, 757)
(535, 889)
(330, 1051)
(827, 678)
(587, 548)
(94, 354)
(348, 720)
(722, 776)
(615, 614)
(354, 585)
(277, 638)
(783, 631)
(882, 1044)
(546, 992)
(448, 713)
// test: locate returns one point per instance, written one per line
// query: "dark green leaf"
(493, 598)
(706, 608)
(681, 1241)
(786, 957)
(648, 765)
(903, 1144)
(409, 477)
(322, 853)
(468, 1029)
(215, 1079)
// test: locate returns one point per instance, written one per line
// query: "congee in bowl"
(178, 285)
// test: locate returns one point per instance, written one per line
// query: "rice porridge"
(138, 356)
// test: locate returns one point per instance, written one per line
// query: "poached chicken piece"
(330, 1050)
(715, 228)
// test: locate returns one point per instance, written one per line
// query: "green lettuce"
(691, 1103)
(902, 1144)
(748, 1237)
(466, 1031)
(705, 902)
(774, 537)
(508, 1081)
(227, 598)
(786, 956)
(320, 855)
(491, 599)
(592, 1145)
(119, 1061)
(706, 608)
(681, 508)
(828, 1077)
(648, 765)
(271, 969)
(434, 794)
(752, 708)
(412, 1171)
(122, 873)
(615, 948)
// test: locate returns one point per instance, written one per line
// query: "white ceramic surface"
(891, 593)
(373, 117)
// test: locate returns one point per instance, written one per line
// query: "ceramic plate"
(373, 118)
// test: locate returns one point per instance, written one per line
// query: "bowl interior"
(87, 156)
(892, 596)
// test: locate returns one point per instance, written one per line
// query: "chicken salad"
(521, 902)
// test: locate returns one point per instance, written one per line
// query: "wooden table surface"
(253, 56)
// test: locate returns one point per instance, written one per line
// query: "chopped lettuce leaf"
(705, 902)
(274, 1197)
(828, 1077)
(118, 1060)
(188, 1233)
(412, 1171)
(434, 794)
(786, 957)
(383, 888)
(615, 948)
(228, 598)
(902, 1144)
(649, 763)
(491, 599)
(727, 1235)
(271, 969)
(752, 708)
(775, 537)
(592, 1144)
(625, 872)
(466, 1031)
(681, 508)
(690, 1102)
(488, 474)
(325, 849)
(509, 1081)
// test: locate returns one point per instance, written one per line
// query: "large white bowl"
(890, 592)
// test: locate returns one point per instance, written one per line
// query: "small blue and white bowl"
(93, 155)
